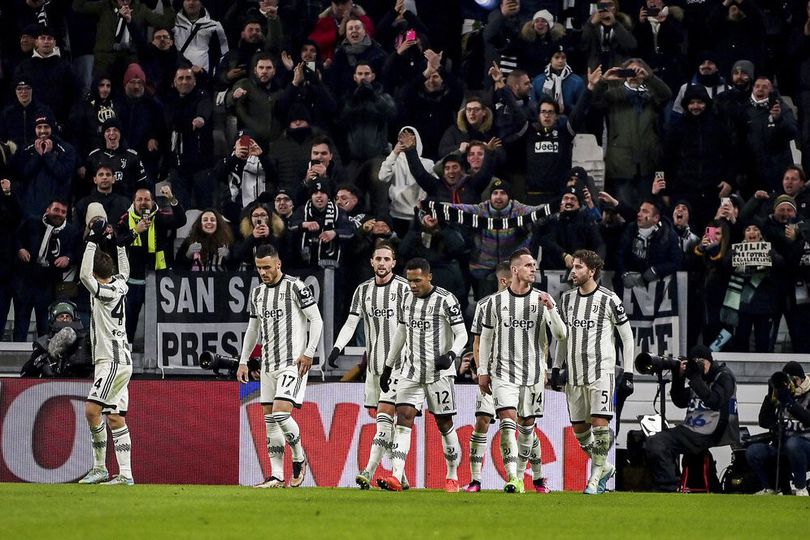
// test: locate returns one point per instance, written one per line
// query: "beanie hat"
(113, 122)
(684, 202)
(502, 185)
(745, 66)
(544, 14)
(701, 351)
(299, 112)
(576, 191)
(43, 119)
(784, 199)
(134, 71)
(94, 210)
(695, 91)
(320, 185)
(63, 308)
(794, 369)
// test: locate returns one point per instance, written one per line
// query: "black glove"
(97, 230)
(554, 382)
(627, 384)
(446, 360)
(649, 275)
(693, 369)
(333, 358)
(385, 379)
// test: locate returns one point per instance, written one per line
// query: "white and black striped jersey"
(590, 349)
(108, 332)
(428, 326)
(478, 316)
(378, 306)
(517, 326)
(279, 310)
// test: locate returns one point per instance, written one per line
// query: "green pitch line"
(150, 512)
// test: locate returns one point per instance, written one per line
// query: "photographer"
(711, 415)
(786, 412)
(65, 350)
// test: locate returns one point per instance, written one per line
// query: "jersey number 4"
(118, 311)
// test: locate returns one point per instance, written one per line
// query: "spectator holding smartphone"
(607, 38)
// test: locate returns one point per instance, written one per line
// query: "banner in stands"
(204, 311)
(212, 432)
(657, 311)
(751, 254)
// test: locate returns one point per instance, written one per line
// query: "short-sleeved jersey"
(108, 332)
(519, 336)
(428, 325)
(280, 309)
(590, 350)
(378, 306)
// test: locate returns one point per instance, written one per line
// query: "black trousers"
(664, 448)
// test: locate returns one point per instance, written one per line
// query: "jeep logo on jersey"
(519, 323)
(420, 325)
(581, 323)
(274, 314)
(546, 147)
(380, 312)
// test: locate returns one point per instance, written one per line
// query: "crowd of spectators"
(323, 126)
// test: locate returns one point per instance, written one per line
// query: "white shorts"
(373, 396)
(595, 399)
(109, 388)
(441, 395)
(284, 384)
(484, 405)
(527, 400)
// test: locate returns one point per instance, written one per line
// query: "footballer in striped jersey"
(592, 314)
(280, 308)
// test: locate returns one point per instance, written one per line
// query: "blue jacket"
(46, 177)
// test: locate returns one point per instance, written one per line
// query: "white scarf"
(552, 86)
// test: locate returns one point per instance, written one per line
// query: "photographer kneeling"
(788, 401)
(711, 415)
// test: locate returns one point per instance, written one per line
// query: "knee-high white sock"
(399, 450)
(291, 433)
(478, 449)
(601, 445)
(382, 442)
(536, 458)
(123, 450)
(586, 442)
(509, 447)
(99, 437)
(524, 441)
(452, 453)
(275, 446)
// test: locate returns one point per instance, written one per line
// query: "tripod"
(780, 435)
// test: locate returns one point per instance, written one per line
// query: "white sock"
(452, 453)
(99, 437)
(478, 449)
(399, 450)
(586, 441)
(382, 442)
(123, 450)
(601, 445)
(525, 439)
(509, 447)
(275, 446)
(536, 458)
(291, 433)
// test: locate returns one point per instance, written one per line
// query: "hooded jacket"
(366, 114)
(52, 81)
(46, 177)
(462, 131)
(404, 191)
(208, 44)
(661, 252)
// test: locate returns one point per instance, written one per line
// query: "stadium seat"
(183, 232)
(589, 155)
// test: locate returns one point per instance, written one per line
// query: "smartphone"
(626, 73)
(314, 162)
(711, 234)
(311, 66)
(603, 6)
(659, 175)
(653, 11)
(410, 35)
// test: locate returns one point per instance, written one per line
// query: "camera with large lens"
(650, 364)
(216, 362)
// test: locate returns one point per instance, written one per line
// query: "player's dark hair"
(266, 250)
(384, 244)
(503, 269)
(592, 260)
(103, 266)
(418, 263)
(518, 253)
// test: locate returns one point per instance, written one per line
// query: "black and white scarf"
(552, 86)
(310, 240)
(50, 246)
(121, 30)
(445, 213)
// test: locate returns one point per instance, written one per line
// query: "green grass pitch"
(149, 512)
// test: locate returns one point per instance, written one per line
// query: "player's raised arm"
(123, 262)
(86, 269)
